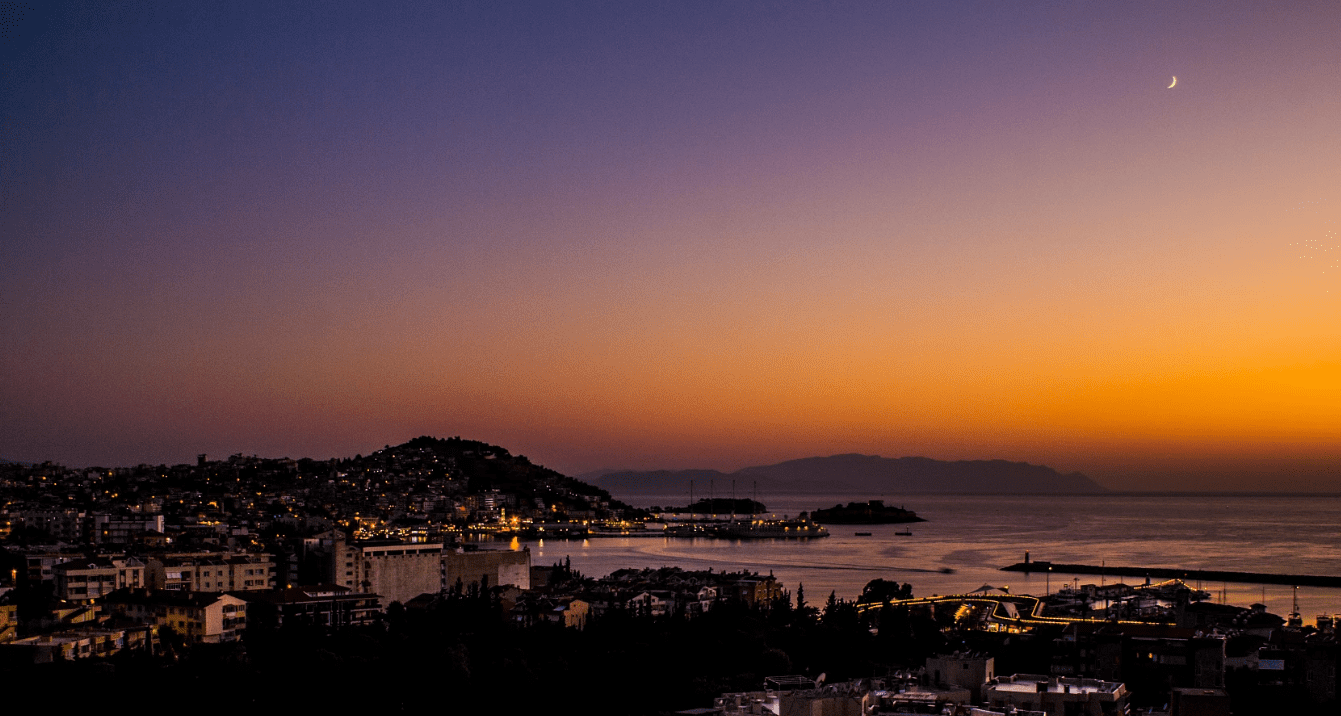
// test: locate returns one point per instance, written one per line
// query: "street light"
(1047, 590)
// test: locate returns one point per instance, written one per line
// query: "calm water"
(976, 535)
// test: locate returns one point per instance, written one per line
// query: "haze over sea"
(976, 535)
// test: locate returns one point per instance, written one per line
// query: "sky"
(681, 234)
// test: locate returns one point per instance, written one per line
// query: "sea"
(968, 538)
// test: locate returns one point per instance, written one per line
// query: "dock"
(1208, 575)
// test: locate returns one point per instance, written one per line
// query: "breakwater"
(1209, 575)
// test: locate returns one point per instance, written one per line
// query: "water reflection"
(976, 535)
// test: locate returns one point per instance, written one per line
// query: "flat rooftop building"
(970, 671)
(1054, 695)
(324, 605)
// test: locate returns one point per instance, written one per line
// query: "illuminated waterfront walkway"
(1028, 609)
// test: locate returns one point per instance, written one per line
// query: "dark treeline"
(465, 653)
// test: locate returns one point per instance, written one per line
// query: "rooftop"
(1032, 683)
(304, 594)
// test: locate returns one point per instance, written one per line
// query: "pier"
(1209, 575)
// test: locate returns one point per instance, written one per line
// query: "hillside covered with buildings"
(411, 565)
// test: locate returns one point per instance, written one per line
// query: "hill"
(860, 474)
(488, 467)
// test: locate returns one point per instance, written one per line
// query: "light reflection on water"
(976, 535)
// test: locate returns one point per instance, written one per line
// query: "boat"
(800, 528)
(690, 529)
(561, 530)
(863, 534)
(904, 533)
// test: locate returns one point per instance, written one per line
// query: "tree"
(881, 590)
(169, 638)
(805, 614)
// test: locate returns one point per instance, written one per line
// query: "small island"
(873, 512)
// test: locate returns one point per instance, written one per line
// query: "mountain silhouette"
(853, 473)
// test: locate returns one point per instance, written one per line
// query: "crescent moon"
(1174, 82)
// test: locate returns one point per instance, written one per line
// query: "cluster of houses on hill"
(950, 685)
(560, 597)
(966, 684)
(95, 604)
(425, 490)
(88, 603)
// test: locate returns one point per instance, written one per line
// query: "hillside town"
(226, 563)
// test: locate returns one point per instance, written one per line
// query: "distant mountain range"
(854, 474)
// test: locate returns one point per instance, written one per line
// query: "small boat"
(863, 534)
(904, 533)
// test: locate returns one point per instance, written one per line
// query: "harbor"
(1209, 575)
(972, 537)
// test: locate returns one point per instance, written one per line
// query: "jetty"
(1209, 575)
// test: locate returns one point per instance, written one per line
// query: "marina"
(968, 538)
